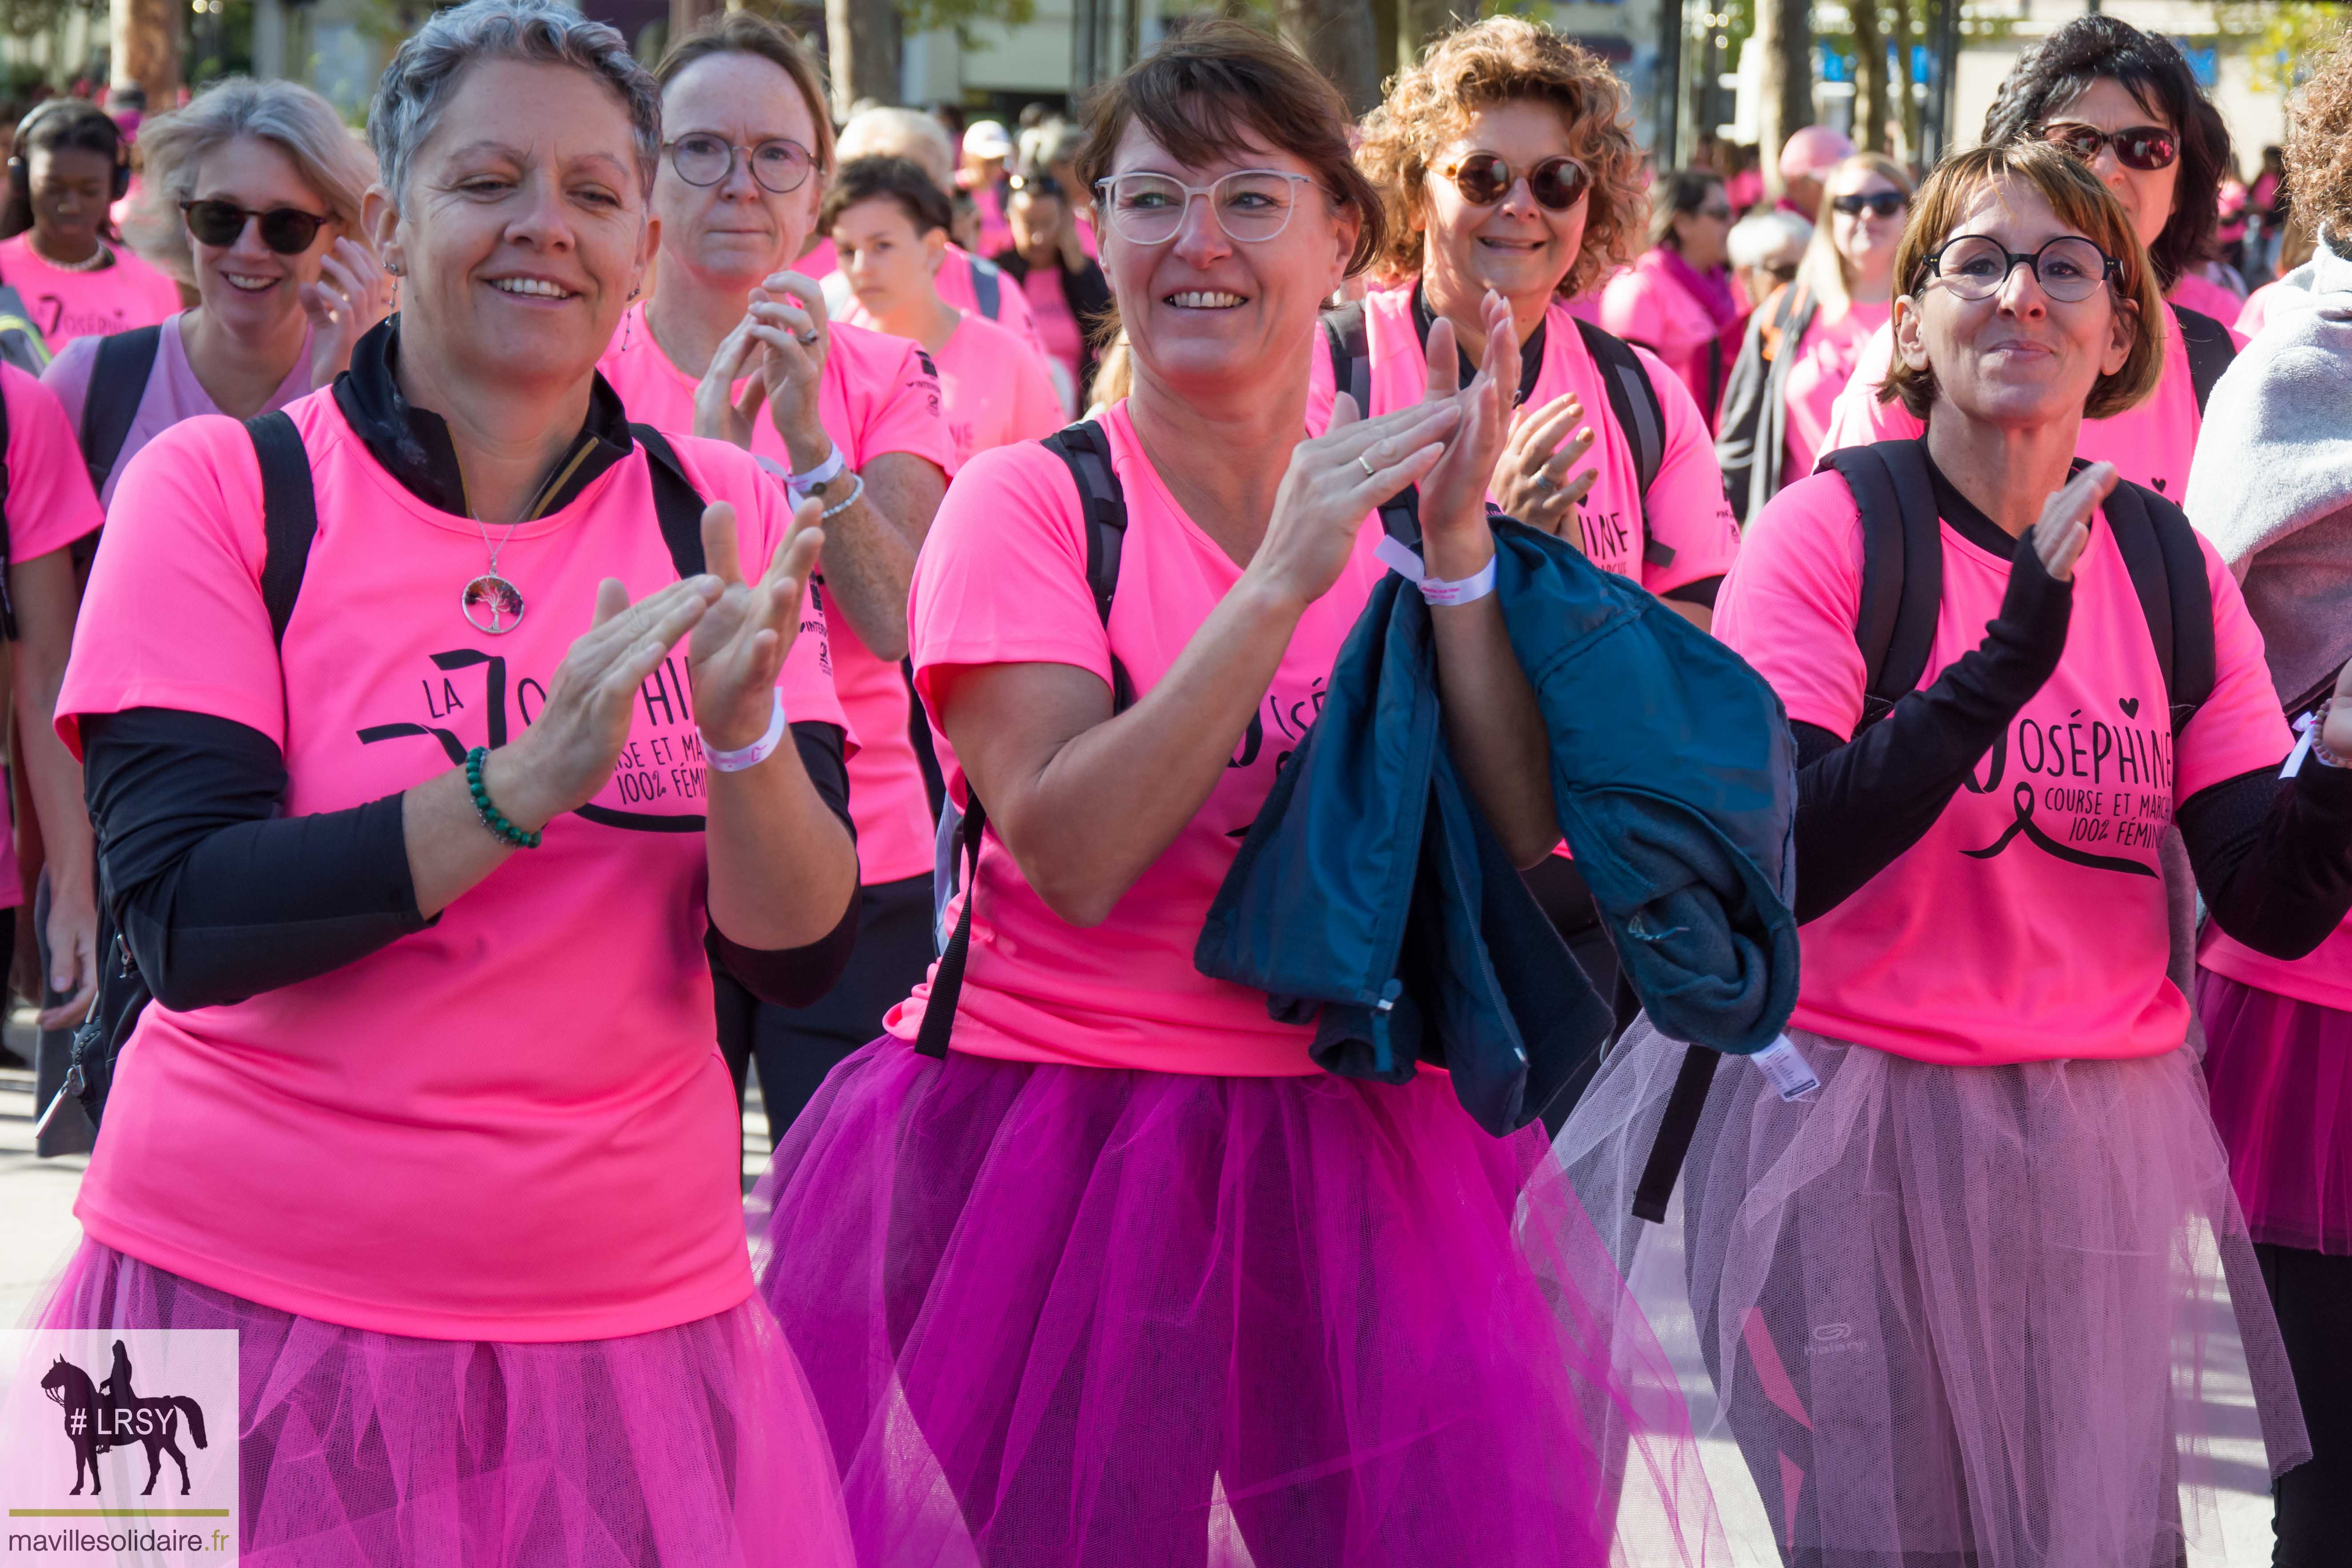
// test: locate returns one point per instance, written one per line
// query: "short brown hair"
(1198, 93)
(2319, 148)
(1507, 59)
(2083, 204)
(749, 33)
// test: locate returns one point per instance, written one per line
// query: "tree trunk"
(145, 35)
(1869, 78)
(863, 36)
(1418, 22)
(1339, 36)
(1907, 102)
(1784, 32)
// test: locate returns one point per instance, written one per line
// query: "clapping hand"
(739, 646)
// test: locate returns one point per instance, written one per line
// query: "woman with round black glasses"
(2128, 105)
(252, 198)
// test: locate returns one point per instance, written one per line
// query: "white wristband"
(1399, 558)
(752, 755)
(803, 486)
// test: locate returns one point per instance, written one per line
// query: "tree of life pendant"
(492, 603)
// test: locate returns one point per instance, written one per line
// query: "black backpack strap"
(1633, 403)
(1085, 448)
(987, 287)
(1902, 567)
(677, 504)
(2167, 572)
(2210, 349)
(289, 514)
(118, 380)
(1348, 343)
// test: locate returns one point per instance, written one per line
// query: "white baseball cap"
(987, 139)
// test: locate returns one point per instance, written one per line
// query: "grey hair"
(1760, 236)
(891, 132)
(287, 115)
(417, 86)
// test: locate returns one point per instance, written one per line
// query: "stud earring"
(395, 269)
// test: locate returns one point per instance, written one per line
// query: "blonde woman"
(251, 198)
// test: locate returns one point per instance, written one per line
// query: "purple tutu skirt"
(694, 1446)
(1957, 1317)
(2280, 1073)
(1060, 1316)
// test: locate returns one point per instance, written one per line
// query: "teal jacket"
(1372, 899)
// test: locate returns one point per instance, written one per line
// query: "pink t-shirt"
(1688, 512)
(1644, 304)
(994, 389)
(173, 392)
(2150, 444)
(1824, 363)
(1057, 328)
(878, 394)
(49, 506)
(1003, 580)
(954, 281)
(2029, 923)
(2257, 309)
(820, 260)
(68, 305)
(2198, 293)
(514, 1124)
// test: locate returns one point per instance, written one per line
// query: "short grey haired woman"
(252, 198)
(427, 864)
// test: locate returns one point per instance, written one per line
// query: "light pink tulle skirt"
(694, 1447)
(2280, 1072)
(1060, 1316)
(1955, 1316)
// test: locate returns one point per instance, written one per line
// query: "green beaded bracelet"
(492, 817)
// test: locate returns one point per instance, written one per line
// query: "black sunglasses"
(289, 231)
(2145, 147)
(1037, 184)
(1485, 179)
(1886, 203)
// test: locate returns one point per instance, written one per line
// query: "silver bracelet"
(844, 503)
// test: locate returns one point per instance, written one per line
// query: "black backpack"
(118, 380)
(1895, 626)
(2210, 349)
(987, 287)
(290, 523)
(1633, 399)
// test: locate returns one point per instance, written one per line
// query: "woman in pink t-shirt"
(246, 171)
(889, 225)
(428, 867)
(733, 344)
(1122, 1273)
(1961, 1294)
(1678, 300)
(69, 165)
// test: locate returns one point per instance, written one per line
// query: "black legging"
(2311, 1293)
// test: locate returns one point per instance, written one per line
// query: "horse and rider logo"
(109, 1414)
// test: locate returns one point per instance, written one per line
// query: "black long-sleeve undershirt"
(221, 897)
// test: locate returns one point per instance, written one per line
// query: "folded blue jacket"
(1371, 899)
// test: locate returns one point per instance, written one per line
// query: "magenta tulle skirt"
(1996, 1317)
(2280, 1074)
(1060, 1316)
(694, 1447)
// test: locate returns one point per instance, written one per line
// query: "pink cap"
(1812, 150)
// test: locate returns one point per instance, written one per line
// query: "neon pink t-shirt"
(1003, 580)
(819, 262)
(1644, 304)
(878, 394)
(1688, 515)
(514, 1124)
(1057, 328)
(954, 283)
(2029, 923)
(2201, 293)
(994, 389)
(49, 507)
(2257, 309)
(171, 394)
(2150, 444)
(69, 305)
(1824, 363)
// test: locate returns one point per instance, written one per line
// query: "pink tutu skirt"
(1060, 1316)
(1955, 1317)
(2280, 1072)
(694, 1447)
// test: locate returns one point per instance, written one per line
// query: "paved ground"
(38, 1231)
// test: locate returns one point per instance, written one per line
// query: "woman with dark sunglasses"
(1962, 1292)
(734, 344)
(1679, 299)
(2127, 104)
(252, 198)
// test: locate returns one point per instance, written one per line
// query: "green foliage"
(964, 15)
(31, 18)
(2282, 41)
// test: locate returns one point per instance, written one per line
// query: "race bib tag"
(1786, 1069)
